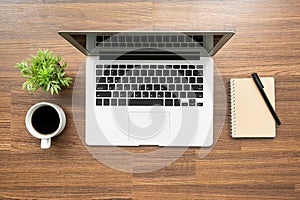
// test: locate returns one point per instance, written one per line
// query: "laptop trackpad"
(149, 128)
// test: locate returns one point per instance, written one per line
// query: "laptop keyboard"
(147, 85)
(152, 41)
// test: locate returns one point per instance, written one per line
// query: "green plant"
(44, 71)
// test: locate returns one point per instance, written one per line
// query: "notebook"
(250, 116)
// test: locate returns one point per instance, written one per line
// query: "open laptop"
(149, 88)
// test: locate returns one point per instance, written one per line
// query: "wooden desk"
(267, 41)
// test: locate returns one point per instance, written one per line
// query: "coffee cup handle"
(45, 143)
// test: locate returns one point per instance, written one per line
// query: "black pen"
(260, 87)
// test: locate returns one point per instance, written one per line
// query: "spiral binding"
(232, 110)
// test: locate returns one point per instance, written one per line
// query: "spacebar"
(145, 102)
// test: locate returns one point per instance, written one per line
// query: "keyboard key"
(166, 72)
(106, 102)
(182, 94)
(197, 72)
(154, 79)
(136, 72)
(145, 66)
(178, 87)
(143, 72)
(122, 102)
(173, 38)
(173, 73)
(180, 38)
(128, 72)
(119, 87)
(149, 87)
(153, 44)
(152, 94)
(132, 80)
(160, 66)
(142, 87)
(137, 94)
(145, 94)
(197, 87)
(158, 38)
(176, 44)
(156, 87)
(136, 38)
(145, 102)
(147, 80)
(103, 94)
(121, 72)
(168, 94)
(199, 66)
(162, 79)
(164, 87)
(118, 79)
(106, 72)
(168, 102)
(188, 72)
(168, 44)
(124, 79)
(171, 87)
(113, 102)
(98, 102)
(200, 104)
(192, 102)
(198, 38)
(115, 94)
(183, 44)
(150, 72)
(186, 87)
(184, 104)
(183, 66)
(122, 66)
(180, 72)
(195, 94)
(129, 66)
(110, 79)
(99, 72)
(99, 66)
(121, 38)
(166, 38)
(191, 66)
(123, 94)
(192, 80)
(184, 80)
(160, 94)
(127, 87)
(158, 72)
(177, 80)
(139, 80)
(177, 102)
(133, 86)
(169, 79)
(152, 66)
(102, 87)
(199, 79)
(111, 86)
(176, 66)
(100, 79)
(114, 72)
(129, 38)
(175, 95)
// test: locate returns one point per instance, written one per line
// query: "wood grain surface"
(267, 41)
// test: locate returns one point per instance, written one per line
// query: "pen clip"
(255, 76)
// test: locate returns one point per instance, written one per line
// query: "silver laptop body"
(149, 88)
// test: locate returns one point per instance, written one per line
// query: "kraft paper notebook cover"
(250, 116)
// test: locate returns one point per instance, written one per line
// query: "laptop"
(149, 88)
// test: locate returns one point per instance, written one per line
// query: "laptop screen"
(147, 43)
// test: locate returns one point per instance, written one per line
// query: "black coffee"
(45, 120)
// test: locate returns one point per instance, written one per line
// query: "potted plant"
(44, 71)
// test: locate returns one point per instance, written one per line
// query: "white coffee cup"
(51, 119)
